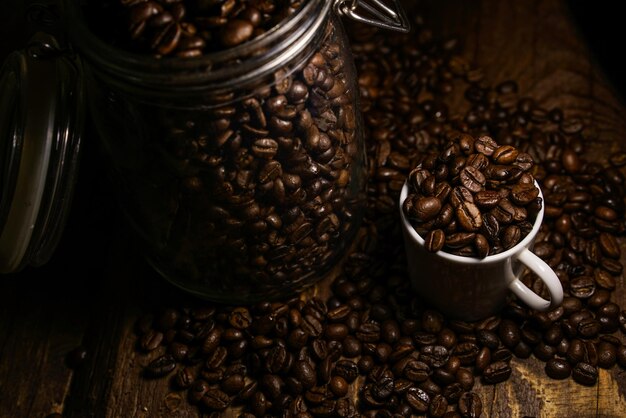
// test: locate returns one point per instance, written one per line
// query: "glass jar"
(41, 119)
(242, 171)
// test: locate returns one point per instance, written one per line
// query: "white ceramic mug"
(471, 288)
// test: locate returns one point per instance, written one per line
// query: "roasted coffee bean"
(611, 265)
(365, 364)
(599, 298)
(338, 386)
(553, 335)
(216, 400)
(588, 328)
(382, 388)
(607, 355)
(466, 352)
(585, 374)
(417, 399)
(609, 245)
(197, 390)
(487, 199)
(460, 239)
(312, 326)
(178, 350)
(509, 333)
(425, 209)
(336, 332)
(576, 351)
(151, 340)
(217, 358)
(443, 377)
(557, 368)
(469, 217)
(483, 359)
(459, 195)
(544, 352)
(524, 194)
(465, 378)
(497, 372)
(415, 370)
(233, 384)
(470, 405)
(161, 366)
(236, 32)
(604, 279)
(351, 347)
(472, 179)
(401, 386)
(184, 378)
(452, 392)
(485, 145)
(447, 338)
(346, 369)
(511, 235)
(438, 406)
(582, 287)
(240, 318)
(434, 355)
(434, 240)
(610, 310)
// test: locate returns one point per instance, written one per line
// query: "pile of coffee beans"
(373, 349)
(187, 28)
(474, 198)
(252, 193)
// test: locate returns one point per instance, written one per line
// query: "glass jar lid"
(41, 122)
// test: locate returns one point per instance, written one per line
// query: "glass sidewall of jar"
(249, 195)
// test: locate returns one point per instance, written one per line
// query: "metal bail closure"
(375, 12)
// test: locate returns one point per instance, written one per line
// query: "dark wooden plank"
(45, 312)
(35, 335)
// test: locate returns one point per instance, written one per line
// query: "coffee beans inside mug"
(484, 204)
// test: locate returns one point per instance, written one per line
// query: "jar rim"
(166, 71)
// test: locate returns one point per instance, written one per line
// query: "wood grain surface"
(96, 286)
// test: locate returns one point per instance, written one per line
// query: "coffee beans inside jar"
(395, 355)
(242, 166)
(474, 198)
(186, 28)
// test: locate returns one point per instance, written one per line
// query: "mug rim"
(496, 258)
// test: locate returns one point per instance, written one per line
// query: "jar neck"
(217, 72)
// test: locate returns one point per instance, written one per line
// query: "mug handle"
(549, 278)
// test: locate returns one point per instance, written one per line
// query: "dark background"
(603, 26)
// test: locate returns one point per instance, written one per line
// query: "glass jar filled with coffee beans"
(233, 132)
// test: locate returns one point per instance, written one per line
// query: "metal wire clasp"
(375, 12)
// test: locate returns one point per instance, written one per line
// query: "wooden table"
(93, 290)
